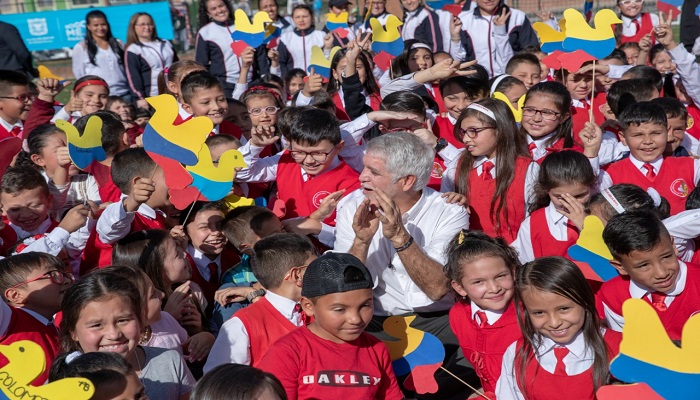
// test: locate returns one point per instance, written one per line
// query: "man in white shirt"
(400, 228)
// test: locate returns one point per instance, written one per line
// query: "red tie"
(635, 22)
(531, 148)
(657, 301)
(483, 321)
(304, 318)
(16, 130)
(213, 272)
(651, 175)
(486, 168)
(560, 353)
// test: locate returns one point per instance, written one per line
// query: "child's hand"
(502, 18)
(327, 206)
(142, 103)
(62, 157)
(263, 136)
(591, 137)
(232, 295)
(302, 226)
(191, 318)
(355, 47)
(274, 57)
(328, 41)
(384, 116)
(199, 346)
(455, 29)
(663, 32)
(247, 58)
(645, 43)
(178, 301)
(74, 104)
(140, 193)
(313, 84)
(574, 211)
(454, 198)
(75, 218)
(427, 136)
(49, 88)
(178, 233)
(444, 69)
(543, 14)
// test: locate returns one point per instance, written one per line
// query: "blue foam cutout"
(599, 265)
(551, 47)
(83, 157)
(597, 48)
(261, 202)
(670, 385)
(251, 39)
(394, 48)
(323, 71)
(212, 190)
(275, 34)
(155, 143)
(429, 351)
(331, 26)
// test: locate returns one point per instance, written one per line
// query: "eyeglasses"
(23, 98)
(145, 25)
(628, 2)
(547, 115)
(317, 156)
(472, 133)
(56, 277)
(271, 110)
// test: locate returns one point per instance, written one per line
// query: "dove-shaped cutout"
(27, 361)
(320, 63)
(86, 148)
(647, 354)
(415, 352)
(550, 38)
(252, 34)
(517, 114)
(599, 41)
(215, 181)
(337, 23)
(387, 38)
(180, 142)
(591, 251)
(45, 73)
(271, 32)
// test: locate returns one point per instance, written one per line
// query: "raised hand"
(663, 32)
(49, 88)
(501, 19)
(313, 84)
(263, 136)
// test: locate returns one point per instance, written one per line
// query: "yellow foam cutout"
(518, 114)
(577, 27)
(189, 134)
(224, 171)
(318, 58)
(92, 136)
(591, 237)
(341, 18)
(408, 338)
(45, 73)
(388, 34)
(548, 34)
(645, 339)
(243, 24)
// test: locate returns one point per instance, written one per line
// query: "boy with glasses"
(635, 23)
(15, 100)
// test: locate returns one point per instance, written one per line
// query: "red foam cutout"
(341, 33)
(383, 60)
(238, 46)
(552, 60)
(454, 9)
(573, 61)
(639, 391)
(176, 176)
(182, 198)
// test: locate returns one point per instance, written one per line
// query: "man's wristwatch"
(441, 144)
(254, 294)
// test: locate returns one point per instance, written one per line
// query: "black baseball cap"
(338, 3)
(335, 273)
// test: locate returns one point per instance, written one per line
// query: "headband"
(497, 81)
(265, 89)
(607, 195)
(89, 82)
(483, 110)
(72, 356)
(654, 196)
(420, 46)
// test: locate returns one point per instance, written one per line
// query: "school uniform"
(294, 48)
(144, 62)
(114, 224)
(580, 114)
(548, 377)
(673, 177)
(634, 29)
(107, 66)
(8, 130)
(484, 336)
(674, 307)
(371, 102)
(691, 140)
(444, 127)
(109, 192)
(546, 232)
(206, 272)
(482, 185)
(539, 149)
(424, 25)
(213, 50)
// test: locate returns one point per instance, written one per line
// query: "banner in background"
(50, 30)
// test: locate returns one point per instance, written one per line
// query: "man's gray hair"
(405, 154)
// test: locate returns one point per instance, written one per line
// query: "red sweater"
(674, 181)
(443, 128)
(264, 325)
(484, 347)
(543, 243)
(310, 367)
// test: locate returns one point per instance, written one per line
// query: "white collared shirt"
(491, 316)
(233, 343)
(115, 222)
(201, 261)
(628, 27)
(557, 225)
(541, 150)
(605, 181)
(8, 127)
(432, 223)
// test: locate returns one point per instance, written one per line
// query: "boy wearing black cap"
(333, 357)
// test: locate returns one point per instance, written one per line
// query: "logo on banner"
(37, 26)
(75, 31)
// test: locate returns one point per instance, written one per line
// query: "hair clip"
(460, 240)
(265, 89)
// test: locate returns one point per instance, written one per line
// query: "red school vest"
(342, 115)
(99, 255)
(615, 291)
(23, 326)
(579, 117)
(302, 198)
(543, 243)
(484, 347)
(264, 325)
(645, 28)
(674, 181)
(109, 192)
(436, 173)
(543, 385)
(693, 127)
(480, 194)
(443, 128)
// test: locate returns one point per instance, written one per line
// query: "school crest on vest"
(318, 197)
(679, 188)
(691, 122)
(437, 171)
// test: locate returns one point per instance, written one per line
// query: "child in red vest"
(580, 87)
(309, 170)
(279, 263)
(203, 95)
(334, 346)
(635, 23)
(484, 320)
(32, 287)
(647, 260)
(14, 101)
(564, 349)
(143, 183)
(564, 185)
(495, 172)
(645, 132)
